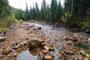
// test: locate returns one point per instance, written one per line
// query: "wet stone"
(64, 46)
(1, 56)
(71, 39)
(39, 28)
(48, 58)
(2, 39)
(70, 42)
(35, 39)
(45, 51)
(15, 47)
(23, 43)
(86, 58)
(15, 54)
(35, 43)
(69, 52)
(15, 44)
(5, 52)
(82, 52)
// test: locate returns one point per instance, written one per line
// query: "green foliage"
(19, 14)
(37, 12)
(43, 10)
(66, 17)
(86, 21)
(68, 5)
(4, 8)
(53, 10)
(60, 11)
(6, 22)
(27, 12)
(80, 14)
(5, 16)
(33, 21)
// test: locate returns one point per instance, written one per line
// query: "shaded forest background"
(74, 13)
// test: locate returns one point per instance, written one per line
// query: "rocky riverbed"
(36, 41)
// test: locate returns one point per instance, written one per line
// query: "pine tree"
(19, 14)
(53, 10)
(37, 12)
(27, 12)
(60, 11)
(43, 10)
(5, 9)
(68, 6)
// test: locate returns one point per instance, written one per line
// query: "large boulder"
(34, 43)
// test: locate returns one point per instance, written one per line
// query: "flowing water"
(55, 34)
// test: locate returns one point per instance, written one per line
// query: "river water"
(56, 34)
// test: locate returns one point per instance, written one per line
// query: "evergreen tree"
(5, 9)
(37, 12)
(68, 6)
(27, 12)
(43, 10)
(48, 14)
(53, 10)
(60, 11)
(19, 14)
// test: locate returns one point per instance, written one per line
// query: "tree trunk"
(72, 8)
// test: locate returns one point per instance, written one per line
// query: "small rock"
(35, 28)
(2, 39)
(27, 28)
(56, 46)
(80, 58)
(48, 58)
(15, 54)
(15, 44)
(15, 47)
(23, 43)
(46, 47)
(9, 55)
(1, 56)
(45, 51)
(69, 52)
(64, 46)
(51, 49)
(34, 39)
(70, 42)
(87, 55)
(82, 52)
(86, 58)
(71, 39)
(5, 52)
(39, 28)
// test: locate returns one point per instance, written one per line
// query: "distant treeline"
(46, 12)
(74, 12)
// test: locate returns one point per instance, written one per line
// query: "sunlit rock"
(5, 52)
(48, 58)
(2, 39)
(45, 51)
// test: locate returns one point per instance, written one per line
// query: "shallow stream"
(55, 34)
